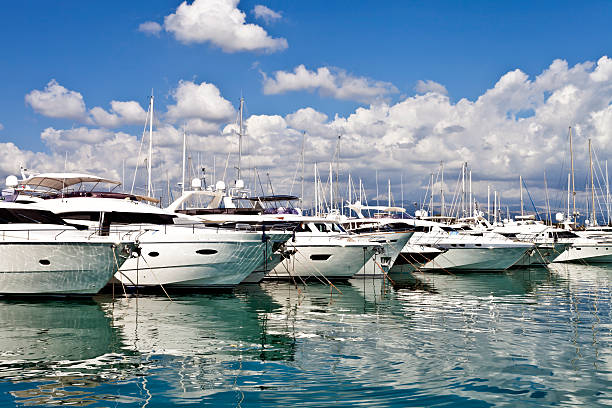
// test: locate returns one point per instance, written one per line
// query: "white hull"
(476, 259)
(587, 253)
(58, 268)
(412, 257)
(542, 254)
(341, 262)
(392, 243)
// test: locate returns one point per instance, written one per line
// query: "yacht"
(475, 251)
(319, 247)
(177, 250)
(41, 254)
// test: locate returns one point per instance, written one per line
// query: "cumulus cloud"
(150, 28)
(222, 24)
(1, 126)
(332, 82)
(430, 86)
(266, 14)
(199, 101)
(55, 101)
(518, 126)
(121, 113)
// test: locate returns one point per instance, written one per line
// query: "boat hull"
(542, 254)
(476, 259)
(322, 261)
(587, 253)
(59, 268)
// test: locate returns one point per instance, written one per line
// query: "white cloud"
(221, 23)
(266, 14)
(1, 126)
(121, 113)
(150, 28)
(55, 101)
(518, 126)
(332, 82)
(199, 101)
(430, 86)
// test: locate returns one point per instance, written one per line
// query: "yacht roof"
(59, 181)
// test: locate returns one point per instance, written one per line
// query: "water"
(520, 338)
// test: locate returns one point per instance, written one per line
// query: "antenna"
(150, 161)
(240, 134)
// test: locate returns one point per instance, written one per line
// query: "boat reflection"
(49, 347)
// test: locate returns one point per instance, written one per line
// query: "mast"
(568, 195)
(350, 195)
(462, 189)
(548, 215)
(442, 191)
(495, 208)
(489, 203)
(431, 198)
(389, 191)
(593, 220)
(149, 161)
(316, 195)
(303, 167)
(240, 135)
(521, 190)
(607, 194)
(471, 200)
(331, 188)
(573, 180)
(184, 153)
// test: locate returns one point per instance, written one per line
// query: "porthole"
(206, 251)
(153, 254)
(44, 262)
(320, 257)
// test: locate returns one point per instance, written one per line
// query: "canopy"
(274, 198)
(59, 181)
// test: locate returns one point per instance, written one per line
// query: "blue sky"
(97, 50)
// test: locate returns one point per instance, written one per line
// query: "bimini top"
(274, 198)
(59, 181)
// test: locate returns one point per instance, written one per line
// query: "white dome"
(239, 183)
(12, 181)
(220, 185)
(559, 217)
(196, 184)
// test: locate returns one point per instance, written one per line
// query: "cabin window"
(44, 262)
(114, 217)
(28, 216)
(153, 254)
(206, 251)
(320, 257)
(321, 227)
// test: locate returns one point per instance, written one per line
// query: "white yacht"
(319, 247)
(177, 250)
(391, 232)
(485, 251)
(40, 254)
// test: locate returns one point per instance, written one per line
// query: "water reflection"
(521, 337)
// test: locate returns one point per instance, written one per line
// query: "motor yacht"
(41, 254)
(177, 250)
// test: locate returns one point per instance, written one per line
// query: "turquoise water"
(520, 338)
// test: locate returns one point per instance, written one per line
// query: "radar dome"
(220, 185)
(239, 183)
(196, 184)
(11, 181)
(559, 217)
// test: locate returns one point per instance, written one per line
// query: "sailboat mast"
(331, 188)
(521, 190)
(149, 161)
(548, 215)
(573, 180)
(389, 191)
(303, 167)
(316, 194)
(593, 220)
(240, 134)
(184, 153)
(489, 203)
(442, 191)
(431, 198)
(568, 194)
(607, 194)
